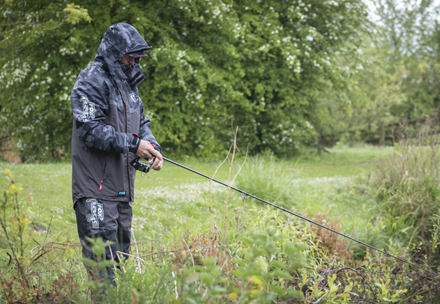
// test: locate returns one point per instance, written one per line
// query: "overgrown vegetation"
(268, 257)
(406, 190)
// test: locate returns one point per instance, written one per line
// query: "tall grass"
(269, 257)
(266, 177)
(406, 187)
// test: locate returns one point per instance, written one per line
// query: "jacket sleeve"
(145, 131)
(90, 107)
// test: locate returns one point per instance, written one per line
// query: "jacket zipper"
(126, 131)
(105, 166)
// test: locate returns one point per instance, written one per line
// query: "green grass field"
(172, 206)
(176, 198)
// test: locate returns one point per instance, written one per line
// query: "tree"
(393, 81)
(35, 80)
(261, 65)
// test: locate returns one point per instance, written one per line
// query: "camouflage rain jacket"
(107, 116)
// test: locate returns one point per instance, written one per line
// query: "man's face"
(127, 59)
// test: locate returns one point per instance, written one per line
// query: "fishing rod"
(292, 213)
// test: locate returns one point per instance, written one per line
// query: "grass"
(317, 186)
(171, 212)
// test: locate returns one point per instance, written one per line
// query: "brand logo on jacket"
(88, 110)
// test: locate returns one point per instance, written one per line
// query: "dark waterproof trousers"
(110, 221)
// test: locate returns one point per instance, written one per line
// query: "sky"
(370, 4)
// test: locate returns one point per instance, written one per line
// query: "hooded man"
(109, 131)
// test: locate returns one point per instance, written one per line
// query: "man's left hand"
(156, 163)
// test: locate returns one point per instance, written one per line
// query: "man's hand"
(146, 150)
(157, 163)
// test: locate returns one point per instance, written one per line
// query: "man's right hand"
(146, 150)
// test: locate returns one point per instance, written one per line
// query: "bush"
(406, 187)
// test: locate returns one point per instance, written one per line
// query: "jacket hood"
(118, 40)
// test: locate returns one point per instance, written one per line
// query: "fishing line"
(300, 216)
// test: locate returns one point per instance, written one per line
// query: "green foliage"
(14, 227)
(289, 74)
(99, 266)
(411, 31)
(14, 223)
(40, 52)
(266, 278)
(261, 65)
(267, 177)
(269, 256)
(395, 77)
(76, 14)
(406, 187)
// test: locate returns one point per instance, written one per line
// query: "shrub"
(406, 187)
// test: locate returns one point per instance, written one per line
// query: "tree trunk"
(382, 135)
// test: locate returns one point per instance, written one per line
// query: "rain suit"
(108, 123)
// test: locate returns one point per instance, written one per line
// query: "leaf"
(282, 274)
(192, 277)
(207, 278)
(348, 288)
(289, 249)
(264, 265)
(277, 263)
(256, 280)
(298, 264)
(89, 262)
(215, 271)
(219, 289)
(278, 289)
(12, 188)
(384, 289)
(107, 263)
(294, 293)
(209, 261)
(334, 289)
(233, 296)
(222, 280)
(25, 221)
(76, 14)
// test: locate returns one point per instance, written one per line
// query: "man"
(109, 131)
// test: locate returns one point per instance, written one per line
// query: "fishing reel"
(140, 166)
